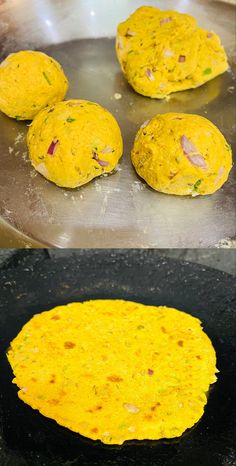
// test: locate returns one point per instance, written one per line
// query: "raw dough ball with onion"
(161, 52)
(182, 154)
(73, 142)
(30, 81)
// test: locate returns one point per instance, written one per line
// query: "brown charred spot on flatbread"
(114, 378)
(56, 317)
(155, 406)
(163, 329)
(69, 344)
(180, 343)
(94, 430)
(52, 379)
(54, 402)
(104, 357)
(96, 408)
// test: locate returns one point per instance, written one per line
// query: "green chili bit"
(228, 146)
(197, 184)
(70, 119)
(140, 327)
(207, 71)
(17, 117)
(47, 78)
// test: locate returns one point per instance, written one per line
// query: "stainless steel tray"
(118, 210)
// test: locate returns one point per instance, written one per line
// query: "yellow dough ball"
(30, 81)
(182, 154)
(74, 141)
(161, 52)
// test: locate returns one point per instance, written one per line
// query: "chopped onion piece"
(221, 171)
(187, 145)
(220, 174)
(182, 58)
(41, 168)
(192, 153)
(165, 20)
(144, 124)
(131, 429)
(209, 35)
(149, 74)
(102, 163)
(53, 146)
(131, 33)
(150, 371)
(131, 408)
(168, 53)
(107, 150)
(198, 161)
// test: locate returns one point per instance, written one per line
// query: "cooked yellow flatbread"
(115, 370)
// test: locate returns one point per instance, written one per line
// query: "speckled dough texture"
(73, 142)
(182, 154)
(161, 52)
(29, 81)
(115, 370)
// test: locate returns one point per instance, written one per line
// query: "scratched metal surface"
(118, 210)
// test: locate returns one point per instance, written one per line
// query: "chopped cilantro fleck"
(47, 78)
(70, 119)
(140, 327)
(122, 426)
(228, 146)
(207, 71)
(17, 117)
(197, 184)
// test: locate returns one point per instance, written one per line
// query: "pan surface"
(119, 210)
(32, 281)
